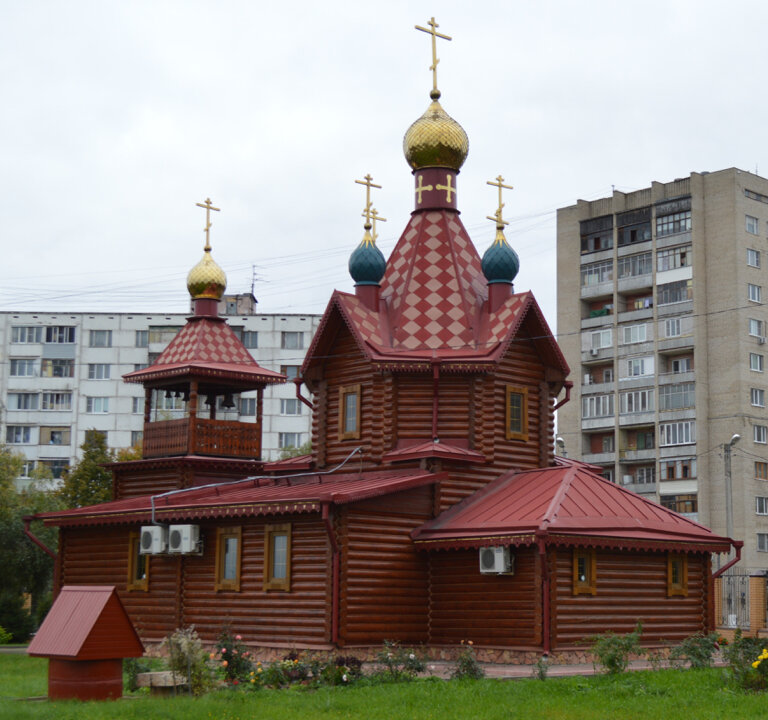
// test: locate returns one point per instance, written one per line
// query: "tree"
(89, 482)
(290, 451)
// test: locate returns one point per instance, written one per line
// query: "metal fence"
(735, 605)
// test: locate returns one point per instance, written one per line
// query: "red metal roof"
(570, 505)
(206, 346)
(291, 464)
(434, 449)
(87, 622)
(256, 496)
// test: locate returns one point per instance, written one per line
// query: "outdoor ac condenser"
(154, 540)
(183, 538)
(496, 560)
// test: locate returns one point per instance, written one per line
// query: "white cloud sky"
(119, 116)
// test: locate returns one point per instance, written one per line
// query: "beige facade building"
(661, 317)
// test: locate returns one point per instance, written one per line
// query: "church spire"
(206, 281)
(367, 264)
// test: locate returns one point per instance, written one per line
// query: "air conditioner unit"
(496, 560)
(154, 540)
(761, 341)
(593, 352)
(183, 538)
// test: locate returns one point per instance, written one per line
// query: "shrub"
(696, 650)
(541, 668)
(233, 657)
(14, 617)
(611, 652)
(132, 667)
(399, 663)
(5, 636)
(466, 663)
(188, 659)
(746, 668)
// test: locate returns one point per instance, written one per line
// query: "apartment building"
(61, 375)
(661, 317)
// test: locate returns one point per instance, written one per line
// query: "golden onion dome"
(435, 139)
(206, 279)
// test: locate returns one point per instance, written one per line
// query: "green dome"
(367, 263)
(500, 262)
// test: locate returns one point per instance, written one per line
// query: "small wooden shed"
(86, 635)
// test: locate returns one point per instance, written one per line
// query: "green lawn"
(666, 695)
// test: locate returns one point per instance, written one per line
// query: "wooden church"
(432, 509)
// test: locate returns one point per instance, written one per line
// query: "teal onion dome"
(367, 263)
(500, 262)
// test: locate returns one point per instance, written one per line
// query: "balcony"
(631, 455)
(221, 438)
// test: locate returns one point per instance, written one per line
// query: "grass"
(634, 696)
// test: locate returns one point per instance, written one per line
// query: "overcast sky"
(117, 117)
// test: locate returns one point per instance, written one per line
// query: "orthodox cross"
(449, 189)
(376, 218)
(420, 188)
(367, 181)
(497, 216)
(208, 207)
(433, 67)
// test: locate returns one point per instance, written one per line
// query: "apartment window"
(593, 406)
(608, 443)
(756, 362)
(250, 339)
(677, 575)
(760, 434)
(601, 339)
(643, 302)
(762, 542)
(27, 468)
(630, 234)
(137, 438)
(687, 504)
(248, 406)
(761, 470)
(645, 475)
(289, 440)
(635, 265)
(752, 225)
(682, 365)
(674, 292)
(163, 334)
(138, 565)
(174, 402)
(98, 371)
(754, 293)
(140, 366)
(97, 405)
(644, 440)
(26, 334)
(22, 401)
(680, 469)
(56, 466)
(634, 334)
(100, 338)
(290, 371)
(673, 224)
(636, 401)
(761, 505)
(137, 405)
(228, 552)
(673, 258)
(58, 367)
(677, 396)
(596, 273)
(55, 435)
(607, 473)
(753, 258)
(56, 401)
(607, 375)
(22, 367)
(59, 335)
(677, 433)
(290, 406)
(18, 434)
(756, 328)
(599, 240)
(142, 338)
(292, 340)
(584, 571)
(277, 557)
(757, 397)
(517, 413)
(637, 367)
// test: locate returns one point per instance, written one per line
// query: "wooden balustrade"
(223, 438)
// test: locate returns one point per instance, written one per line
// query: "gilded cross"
(497, 216)
(375, 217)
(449, 189)
(208, 207)
(368, 182)
(433, 32)
(420, 188)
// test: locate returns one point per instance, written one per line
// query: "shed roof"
(570, 505)
(87, 622)
(249, 497)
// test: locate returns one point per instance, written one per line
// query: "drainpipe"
(335, 561)
(545, 608)
(568, 384)
(435, 396)
(298, 381)
(27, 520)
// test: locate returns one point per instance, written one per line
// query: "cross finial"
(497, 216)
(435, 94)
(368, 182)
(375, 217)
(208, 207)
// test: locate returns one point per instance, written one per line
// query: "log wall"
(491, 610)
(631, 586)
